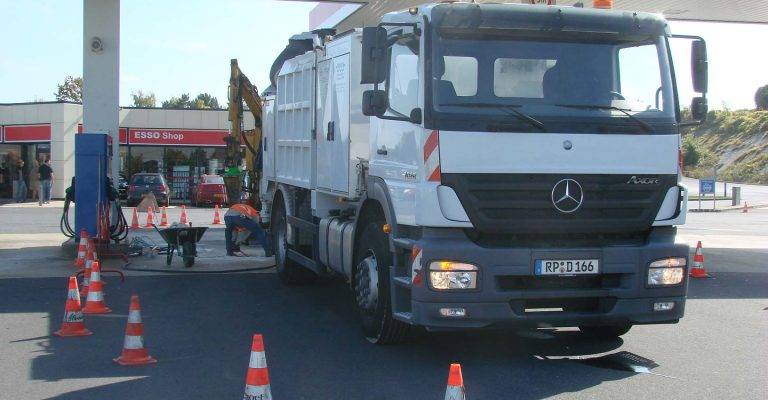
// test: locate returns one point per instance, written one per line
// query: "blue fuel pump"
(93, 153)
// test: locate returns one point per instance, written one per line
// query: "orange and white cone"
(697, 269)
(94, 303)
(81, 249)
(216, 216)
(150, 217)
(135, 220)
(183, 220)
(73, 323)
(134, 352)
(257, 379)
(164, 217)
(455, 389)
(89, 259)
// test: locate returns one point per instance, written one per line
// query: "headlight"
(449, 275)
(667, 271)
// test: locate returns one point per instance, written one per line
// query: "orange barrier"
(94, 303)
(134, 352)
(455, 389)
(73, 323)
(135, 220)
(164, 217)
(150, 217)
(697, 269)
(81, 249)
(257, 379)
(183, 220)
(216, 216)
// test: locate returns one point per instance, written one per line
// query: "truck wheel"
(371, 287)
(606, 331)
(289, 271)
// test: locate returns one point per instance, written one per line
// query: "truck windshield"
(569, 86)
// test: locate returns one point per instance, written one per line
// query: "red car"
(210, 190)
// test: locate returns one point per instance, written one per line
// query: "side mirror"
(699, 109)
(373, 66)
(699, 66)
(415, 116)
(375, 103)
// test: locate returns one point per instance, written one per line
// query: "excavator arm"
(242, 90)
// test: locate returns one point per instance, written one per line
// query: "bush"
(761, 98)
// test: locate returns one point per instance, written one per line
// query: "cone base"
(702, 274)
(139, 361)
(65, 333)
(99, 310)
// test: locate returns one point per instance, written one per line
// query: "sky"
(175, 47)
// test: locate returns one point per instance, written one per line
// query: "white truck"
(484, 165)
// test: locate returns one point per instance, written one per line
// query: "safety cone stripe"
(133, 342)
(94, 295)
(454, 393)
(257, 392)
(258, 360)
(134, 317)
(257, 377)
(133, 329)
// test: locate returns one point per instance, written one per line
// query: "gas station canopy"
(742, 11)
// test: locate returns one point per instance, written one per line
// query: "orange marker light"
(386, 228)
(606, 4)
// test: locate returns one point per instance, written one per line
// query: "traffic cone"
(216, 216)
(90, 258)
(164, 217)
(697, 269)
(81, 249)
(135, 220)
(150, 217)
(745, 209)
(94, 303)
(257, 379)
(134, 352)
(455, 389)
(183, 220)
(73, 324)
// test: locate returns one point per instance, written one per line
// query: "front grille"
(522, 203)
(533, 283)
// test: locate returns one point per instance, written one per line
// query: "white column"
(101, 71)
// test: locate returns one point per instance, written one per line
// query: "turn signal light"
(449, 275)
(606, 4)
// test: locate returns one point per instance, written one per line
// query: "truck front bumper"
(510, 294)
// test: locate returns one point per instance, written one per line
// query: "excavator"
(242, 90)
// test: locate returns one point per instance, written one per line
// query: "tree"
(143, 100)
(70, 90)
(202, 101)
(178, 102)
(761, 98)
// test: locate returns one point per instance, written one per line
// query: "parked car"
(122, 187)
(148, 182)
(210, 190)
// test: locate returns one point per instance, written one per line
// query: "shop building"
(181, 144)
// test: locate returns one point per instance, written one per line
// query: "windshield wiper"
(643, 124)
(510, 109)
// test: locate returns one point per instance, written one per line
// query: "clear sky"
(174, 47)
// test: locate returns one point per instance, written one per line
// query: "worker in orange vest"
(245, 217)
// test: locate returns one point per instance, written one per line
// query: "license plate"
(567, 267)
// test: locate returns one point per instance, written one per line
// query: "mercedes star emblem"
(567, 196)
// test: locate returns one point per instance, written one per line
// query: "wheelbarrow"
(183, 240)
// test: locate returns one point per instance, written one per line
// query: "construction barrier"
(94, 303)
(73, 324)
(134, 352)
(697, 269)
(257, 379)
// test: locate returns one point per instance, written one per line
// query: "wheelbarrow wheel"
(188, 251)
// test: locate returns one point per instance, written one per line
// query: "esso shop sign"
(179, 137)
(164, 136)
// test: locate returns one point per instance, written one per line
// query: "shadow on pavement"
(199, 328)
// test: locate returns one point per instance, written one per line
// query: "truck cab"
(522, 169)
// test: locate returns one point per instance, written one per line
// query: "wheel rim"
(281, 242)
(367, 294)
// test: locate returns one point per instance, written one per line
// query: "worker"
(244, 216)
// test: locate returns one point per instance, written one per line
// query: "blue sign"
(707, 186)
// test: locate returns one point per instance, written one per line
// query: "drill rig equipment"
(242, 90)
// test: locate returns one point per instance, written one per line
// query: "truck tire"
(371, 287)
(606, 331)
(289, 271)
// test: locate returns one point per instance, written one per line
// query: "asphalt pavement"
(199, 327)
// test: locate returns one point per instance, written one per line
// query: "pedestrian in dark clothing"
(19, 183)
(45, 173)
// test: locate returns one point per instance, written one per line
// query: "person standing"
(19, 183)
(45, 174)
(33, 180)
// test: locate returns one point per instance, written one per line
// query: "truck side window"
(403, 82)
(640, 77)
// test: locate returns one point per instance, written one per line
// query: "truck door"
(332, 129)
(268, 137)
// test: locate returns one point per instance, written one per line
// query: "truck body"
(484, 165)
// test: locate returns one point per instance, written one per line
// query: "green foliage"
(144, 100)
(202, 101)
(70, 90)
(761, 98)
